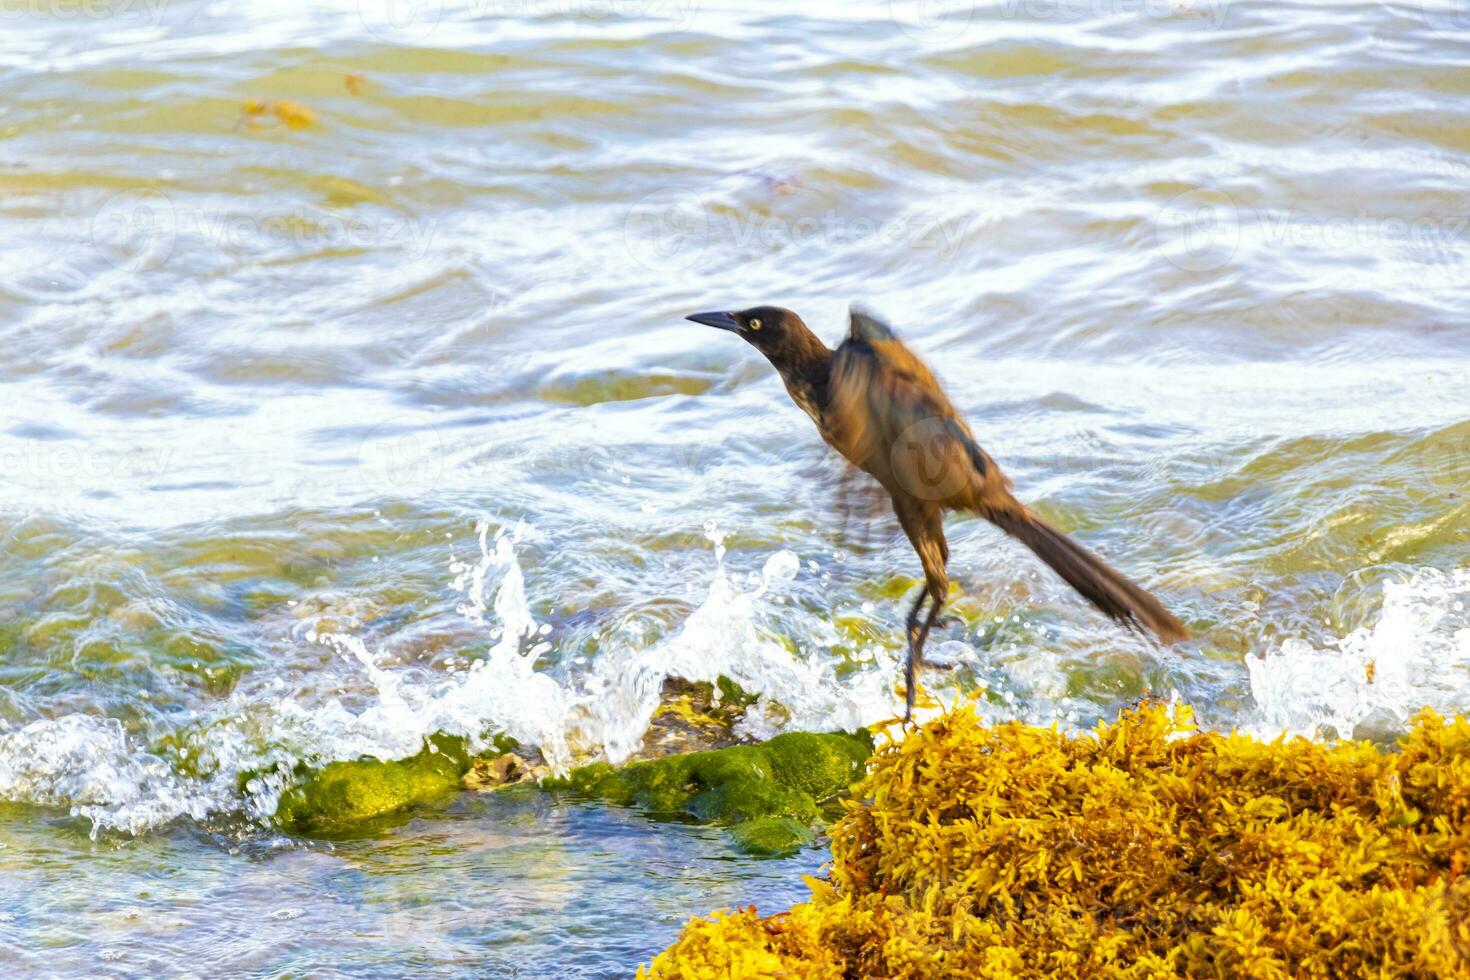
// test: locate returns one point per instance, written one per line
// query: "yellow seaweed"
(1145, 848)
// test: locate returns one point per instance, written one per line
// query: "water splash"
(1416, 653)
(89, 764)
(501, 693)
(724, 636)
(120, 781)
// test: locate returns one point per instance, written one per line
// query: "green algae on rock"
(341, 796)
(771, 836)
(776, 785)
(770, 795)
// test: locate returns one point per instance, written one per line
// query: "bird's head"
(779, 334)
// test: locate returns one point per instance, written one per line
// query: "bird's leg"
(913, 621)
(910, 666)
(916, 649)
(925, 529)
(948, 622)
(928, 623)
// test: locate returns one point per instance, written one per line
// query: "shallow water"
(317, 440)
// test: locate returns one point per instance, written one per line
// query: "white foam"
(503, 693)
(88, 763)
(91, 764)
(1418, 647)
(724, 635)
(1415, 653)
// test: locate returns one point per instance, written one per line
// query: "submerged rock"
(770, 794)
(341, 796)
(771, 836)
(696, 715)
(493, 772)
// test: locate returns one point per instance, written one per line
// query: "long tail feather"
(1097, 582)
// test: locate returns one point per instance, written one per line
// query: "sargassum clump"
(1144, 848)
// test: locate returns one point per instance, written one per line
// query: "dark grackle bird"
(879, 406)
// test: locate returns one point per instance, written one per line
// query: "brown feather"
(889, 416)
(877, 404)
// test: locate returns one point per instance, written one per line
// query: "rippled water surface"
(345, 398)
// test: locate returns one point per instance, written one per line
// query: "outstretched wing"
(889, 416)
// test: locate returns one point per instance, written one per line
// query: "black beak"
(725, 321)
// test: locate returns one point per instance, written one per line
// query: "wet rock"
(771, 836)
(695, 716)
(343, 795)
(785, 778)
(770, 795)
(492, 773)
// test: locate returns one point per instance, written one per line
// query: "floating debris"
(293, 115)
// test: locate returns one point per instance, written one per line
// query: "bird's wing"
(888, 415)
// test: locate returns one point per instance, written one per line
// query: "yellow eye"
(755, 324)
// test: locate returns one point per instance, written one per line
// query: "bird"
(877, 404)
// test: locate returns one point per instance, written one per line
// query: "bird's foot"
(911, 684)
